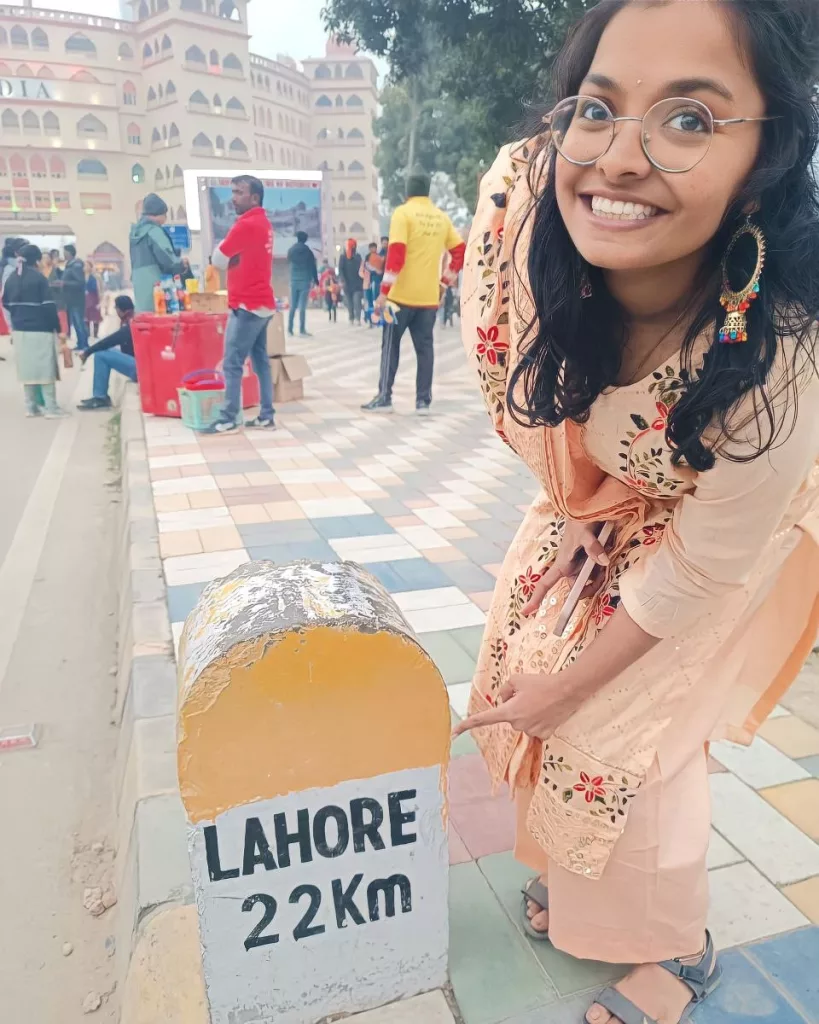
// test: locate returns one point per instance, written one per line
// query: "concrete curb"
(152, 868)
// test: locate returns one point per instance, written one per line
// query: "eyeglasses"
(676, 133)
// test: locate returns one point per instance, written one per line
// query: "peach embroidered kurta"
(722, 566)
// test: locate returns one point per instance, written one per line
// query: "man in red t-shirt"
(247, 255)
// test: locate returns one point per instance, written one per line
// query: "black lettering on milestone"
(215, 871)
(343, 902)
(285, 839)
(320, 831)
(366, 830)
(386, 887)
(399, 818)
(257, 848)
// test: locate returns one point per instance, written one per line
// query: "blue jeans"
(106, 361)
(246, 335)
(76, 319)
(298, 300)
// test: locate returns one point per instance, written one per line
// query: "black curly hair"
(572, 347)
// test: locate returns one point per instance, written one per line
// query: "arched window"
(38, 167)
(143, 11)
(339, 101)
(323, 134)
(220, 142)
(56, 167)
(160, 91)
(83, 76)
(227, 9)
(269, 119)
(151, 94)
(324, 101)
(31, 123)
(92, 168)
(125, 52)
(18, 36)
(341, 133)
(18, 166)
(281, 122)
(235, 104)
(3, 42)
(129, 94)
(177, 173)
(342, 228)
(355, 101)
(213, 59)
(353, 71)
(194, 55)
(182, 215)
(138, 174)
(10, 121)
(166, 43)
(356, 197)
(173, 133)
(167, 173)
(134, 134)
(201, 141)
(322, 71)
(170, 89)
(147, 52)
(355, 133)
(155, 137)
(356, 228)
(51, 123)
(356, 165)
(237, 146)
(44, 72)
(199, 99)
(165, 132)
(24, 71)
(79, 43)
(342, 198)
(217, 101)
(340, 165)
(162, 5)
(191, 5)
(158, 179)
(255, 117)
(39, 40)
(323, 166)
(256, 148)
(232, 62)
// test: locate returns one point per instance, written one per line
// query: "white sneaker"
(59, 414)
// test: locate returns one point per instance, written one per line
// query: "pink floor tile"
(449, 554)
(482, 598)
(468, 779)
(404, 521)
(493, 568)
(485, 826)
(168, 473)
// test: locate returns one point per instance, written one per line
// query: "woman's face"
(647, 54)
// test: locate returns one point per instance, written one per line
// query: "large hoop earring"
(736, 304)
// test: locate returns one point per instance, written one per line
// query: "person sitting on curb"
(116, 352)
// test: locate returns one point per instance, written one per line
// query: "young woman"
(645, 341)
(93, 314)
(35, 329)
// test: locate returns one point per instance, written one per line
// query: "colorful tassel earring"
(736, 304)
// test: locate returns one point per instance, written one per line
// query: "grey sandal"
(702, 978)
(537, 893)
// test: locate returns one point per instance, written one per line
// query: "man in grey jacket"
(152, 253)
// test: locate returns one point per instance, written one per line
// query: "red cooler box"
(167, 348)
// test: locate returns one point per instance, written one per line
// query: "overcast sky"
(299, 35)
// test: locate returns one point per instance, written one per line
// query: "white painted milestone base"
(382, 942)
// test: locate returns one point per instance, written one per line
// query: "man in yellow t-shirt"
(420, 236)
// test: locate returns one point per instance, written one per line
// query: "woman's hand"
(533, 704)
(579, 540)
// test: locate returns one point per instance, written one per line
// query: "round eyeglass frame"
(615, 120)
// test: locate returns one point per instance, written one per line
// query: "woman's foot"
(659, 995)
(538, 917)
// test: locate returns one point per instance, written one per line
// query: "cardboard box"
(288, 378)
(275, 336)
(209, 302)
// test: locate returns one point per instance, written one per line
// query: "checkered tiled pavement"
(429, 505)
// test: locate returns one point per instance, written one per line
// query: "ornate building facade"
(95, 112)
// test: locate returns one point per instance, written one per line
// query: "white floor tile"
(779, 712)
(284, 453)
(395, 463)
(181, 569)
(185, 485)
(361, 484)
(322, 449)
(423, 537)
(438, 518)
(438, 597)
(453, 502)
(473, 474)
(759, 765)
(462, 487)
(384, 548)
(428, 620)
(459, 697)
(326, 508)
(375, 471)
(306, 476)
(168, 461)
(194, 519)
(745, 906)
(771, 842)
(721, 853)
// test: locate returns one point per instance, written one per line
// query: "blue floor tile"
(351, 526)
(810, 764)
(385, 572)
(314, 550)
(792, 960)
(419, 574)
(182, 600)
(293, 531)
(744, 997)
